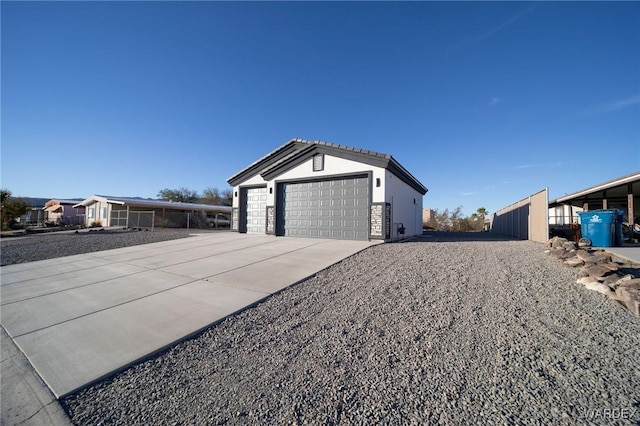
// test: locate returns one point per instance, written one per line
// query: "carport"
(622, 193)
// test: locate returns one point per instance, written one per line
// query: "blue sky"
(484, 102)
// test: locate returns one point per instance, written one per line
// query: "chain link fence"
(152, 219)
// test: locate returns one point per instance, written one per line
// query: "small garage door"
(326, 209)
(256, 210)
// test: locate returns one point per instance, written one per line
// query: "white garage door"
(256, 210)
(327, 209)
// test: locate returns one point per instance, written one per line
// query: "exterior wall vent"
(318, 162)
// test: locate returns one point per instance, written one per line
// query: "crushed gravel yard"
(58, 244)
(426, 332)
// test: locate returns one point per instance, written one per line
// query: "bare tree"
(215, 196)
(227, 197)
(181, 195)
(211, 195)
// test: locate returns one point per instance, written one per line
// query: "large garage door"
(256, 210)
(327, 209)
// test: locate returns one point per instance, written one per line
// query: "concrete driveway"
(81, 318)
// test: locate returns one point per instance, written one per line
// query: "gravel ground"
(413, 333)
(58, 244)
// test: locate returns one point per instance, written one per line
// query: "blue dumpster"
(619, 220)
(599, 226)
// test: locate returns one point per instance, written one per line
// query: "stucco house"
(148, 213)
(64, 212)
(320, 189)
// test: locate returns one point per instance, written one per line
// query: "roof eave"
(257, 166)
(601, 187)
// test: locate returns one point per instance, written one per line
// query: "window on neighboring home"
(104, 213)
(559, 216)
(90, 212)
(318, 162)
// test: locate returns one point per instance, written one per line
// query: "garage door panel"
(328, 209)
(256, 208)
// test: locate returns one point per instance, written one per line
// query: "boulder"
(586, 280)
(570, 245)
(630, 296)
(601, 288)
(556, 242)
(557, 252)
(583, 255)
(573, 262)
(629, 283)
(584, 242)
(567, 254)
(611, 281)
(597, 271)
(598, 258)
(625, 278)
(582, 273)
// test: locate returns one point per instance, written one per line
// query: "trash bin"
(599, 226)
(618, 225)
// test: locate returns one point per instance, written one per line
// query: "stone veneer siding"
(387, 221)
(271, 220)
(380, 220)
(234, 219)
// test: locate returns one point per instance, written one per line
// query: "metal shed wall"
(527, 219)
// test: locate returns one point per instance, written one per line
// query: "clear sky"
(484, 102)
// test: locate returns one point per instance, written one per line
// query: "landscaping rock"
(630, 296)
(586, 280)
(584, 242)
(598, 272)
(601, 288)
(611, 280)
(555, 252)
(573, 262)
(583, 255)
(583, 273)
(629, 281)
(598, 258)
(556, 242)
